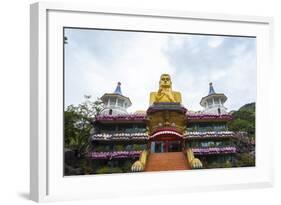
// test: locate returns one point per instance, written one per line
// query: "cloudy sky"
(95, 60)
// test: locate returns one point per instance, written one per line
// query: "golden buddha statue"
(165, 93)
(171, 116)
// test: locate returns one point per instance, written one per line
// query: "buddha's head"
(165, 81)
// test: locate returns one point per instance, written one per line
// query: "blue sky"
(95, 60)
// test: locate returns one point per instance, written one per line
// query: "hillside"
(244, 119)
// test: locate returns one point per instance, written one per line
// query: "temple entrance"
(166, 146)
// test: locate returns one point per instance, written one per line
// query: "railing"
(216, 105)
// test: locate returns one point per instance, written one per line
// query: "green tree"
(245, 160)
(77, 124)
(244, 119)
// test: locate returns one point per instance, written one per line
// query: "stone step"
(167, 161)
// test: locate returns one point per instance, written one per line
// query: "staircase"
(166, 161)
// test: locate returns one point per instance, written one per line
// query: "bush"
(227, 164)
(127, 166)
(85, 166)
(245, 160)
(108, 170)
(213, 165)
(118, 147)
(137, 147)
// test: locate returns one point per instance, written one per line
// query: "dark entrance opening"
(166, 146)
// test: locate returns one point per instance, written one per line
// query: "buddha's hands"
(165, 92)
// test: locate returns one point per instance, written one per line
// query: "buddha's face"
(165, 81)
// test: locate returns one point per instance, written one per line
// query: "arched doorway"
(166, 141)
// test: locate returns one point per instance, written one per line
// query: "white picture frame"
(47, 182)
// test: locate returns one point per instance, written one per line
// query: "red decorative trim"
(166, 135)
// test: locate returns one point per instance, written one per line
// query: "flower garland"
(197, 116)
(114, 155)
(214, 134)
(214, 150)
(144, 136)
(120, 136)
(139, 117)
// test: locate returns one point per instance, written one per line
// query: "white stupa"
(115, 103)
(213, 103)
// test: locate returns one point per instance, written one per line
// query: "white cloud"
(215, 41)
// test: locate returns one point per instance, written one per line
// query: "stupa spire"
(118, 89)
(213, 103)
(115, 103)
(211, 89)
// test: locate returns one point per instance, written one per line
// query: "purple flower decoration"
(121, 117)
(215, 134)
(120, 136)
(114, 155)
(214, 150)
